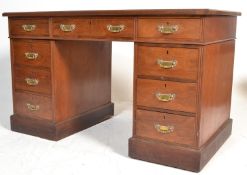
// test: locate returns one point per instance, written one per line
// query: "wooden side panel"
(216, 88)
(219, 28)
(81, 77)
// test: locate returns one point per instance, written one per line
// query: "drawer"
(31, 105)
(29, 27)
(179, 63)
(166, 95)
(34, 80)
(71, 27)
(166, 127)
(170, 29)
(113, 28)
(32, 52)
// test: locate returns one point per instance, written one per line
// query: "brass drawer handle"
(31, 55)
(164, 129)
(32, 107)
(29, 27)
(165, 97)
(166, 64)
(32, 81)
(68, 27)
(115, 28)
(167, 29)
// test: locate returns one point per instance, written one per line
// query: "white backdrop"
(122, 72)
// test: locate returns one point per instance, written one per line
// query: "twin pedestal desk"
(183, 65)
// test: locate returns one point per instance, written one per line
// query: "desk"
(61, 69)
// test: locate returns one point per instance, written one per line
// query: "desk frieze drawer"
(170, 29)
(169, 62)
(32, 52)
(71, 27)
(166, 95)
(95, 28)
(31, 105)
(29, 27)
(113, 28)
(33, 80)
(166, 127)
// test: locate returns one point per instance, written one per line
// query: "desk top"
(149, 12)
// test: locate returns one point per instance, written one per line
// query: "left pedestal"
(60, 87)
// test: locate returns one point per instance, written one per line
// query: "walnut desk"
(61, 69)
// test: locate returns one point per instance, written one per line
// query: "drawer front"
(166, 127)
(29, 27)
(168, 62)
(33, 105)
(34, 80)
(32, 52)
(166, 95)
(170, 29)
(71, 27)
(113, 28)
